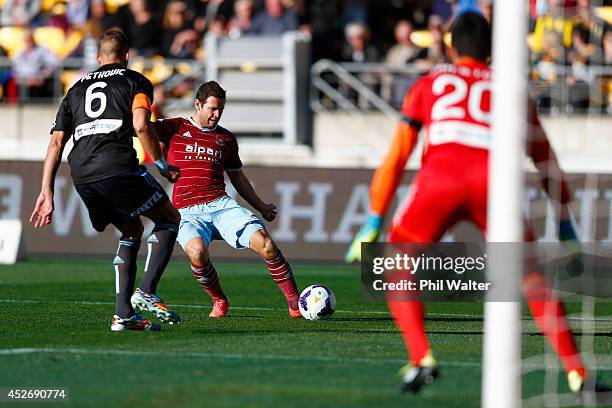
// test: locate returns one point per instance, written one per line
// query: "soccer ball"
(316, 302)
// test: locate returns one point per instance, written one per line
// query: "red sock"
(207, 278)
(281, 272)
(549, 314)
(409, 316)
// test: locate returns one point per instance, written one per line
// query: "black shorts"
(120, 199)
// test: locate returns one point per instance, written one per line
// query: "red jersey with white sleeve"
(203, 155)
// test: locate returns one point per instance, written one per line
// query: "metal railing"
(374, 87)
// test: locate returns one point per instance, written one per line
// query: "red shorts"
(445, 191)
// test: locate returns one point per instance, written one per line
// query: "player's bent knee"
(196, 252)
(269, 249)
(263, 245)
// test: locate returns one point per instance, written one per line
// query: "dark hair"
(583, 33)
(471, 36)
(208, 89)
(114, 43)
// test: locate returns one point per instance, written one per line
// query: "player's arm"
(383, 187)
(141, 121)
(43, 209)
(244, 187)
(552, 177)
(389, 174)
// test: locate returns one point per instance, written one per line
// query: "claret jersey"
(97, 113)
(203, 155)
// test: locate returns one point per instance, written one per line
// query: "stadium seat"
(184, 68)
(531, 42)
(51, 38)
(11, 39)
(47, 5)
(72, 41)
(137, 64)
(68, 78)
(421, 38)
(605, 13)
(160, 71)
(113, 5)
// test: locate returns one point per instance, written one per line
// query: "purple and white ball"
(317, 302)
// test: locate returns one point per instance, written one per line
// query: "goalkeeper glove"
(368, 233)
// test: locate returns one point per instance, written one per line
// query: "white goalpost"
(501, 386)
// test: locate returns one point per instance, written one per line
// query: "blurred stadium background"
(314, 91)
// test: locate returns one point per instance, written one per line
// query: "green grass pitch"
(256, 357)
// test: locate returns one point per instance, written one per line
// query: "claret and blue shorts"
(222, 218)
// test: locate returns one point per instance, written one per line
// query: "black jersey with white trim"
(97, 113)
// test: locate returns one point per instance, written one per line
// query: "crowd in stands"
(566, 36)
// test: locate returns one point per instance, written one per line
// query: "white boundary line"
(191, 306)
(237, 356)
(228, 356)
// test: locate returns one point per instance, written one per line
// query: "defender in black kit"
(101, 113)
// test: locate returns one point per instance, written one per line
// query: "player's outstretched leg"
(160, 245)
(279, 269)
(204, 271)
(549, 314)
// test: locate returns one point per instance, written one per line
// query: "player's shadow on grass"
(359, 319)
(264, 332)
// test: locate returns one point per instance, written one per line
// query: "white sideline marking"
(236, 356)
(272, 309)
(68, 302)
(229, 356)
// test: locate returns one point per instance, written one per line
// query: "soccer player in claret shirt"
(204, 151)
(453, 103)
(101, 113)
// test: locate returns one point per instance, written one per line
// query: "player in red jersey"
(204, 151)
(453, 103)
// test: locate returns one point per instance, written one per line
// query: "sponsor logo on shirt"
(187, 134)
(150, 203)
(198, 152)
(98, 126)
